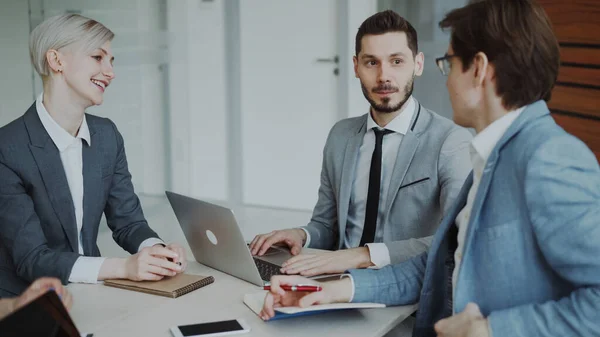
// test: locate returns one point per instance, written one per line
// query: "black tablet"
(46, 316)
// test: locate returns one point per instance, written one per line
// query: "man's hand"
(332, 292)
(469, 323)
(40, 287)
(328, 262)
(151, 264)
(294, 238)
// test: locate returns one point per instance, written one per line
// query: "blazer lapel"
(47, 158)
(534, 111)
(92, 188)
(406, 153)
(348, 171)
(482, 190)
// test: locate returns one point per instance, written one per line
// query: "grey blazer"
(432, 165)
(38, 231)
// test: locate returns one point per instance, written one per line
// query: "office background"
(231, 101)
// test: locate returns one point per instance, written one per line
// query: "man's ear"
(419, 64)
(355, 61)
(481, 68)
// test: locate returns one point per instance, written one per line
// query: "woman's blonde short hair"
(60, 31)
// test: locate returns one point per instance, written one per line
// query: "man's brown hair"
(387, 22)
(517, 38)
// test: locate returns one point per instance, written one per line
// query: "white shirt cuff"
(86, 269)
(352, 282)
(150, 242)
(380, 255)
(307, 242)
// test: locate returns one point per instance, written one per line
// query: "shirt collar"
(484, 142)
(401, 123)
(61, 138)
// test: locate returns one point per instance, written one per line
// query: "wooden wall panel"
(580, 100)
(580, 56)
(574, 21)
(575, 102)
(588, 78)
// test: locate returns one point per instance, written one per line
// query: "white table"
(107, 311)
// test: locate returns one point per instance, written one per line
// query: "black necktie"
(372, 208)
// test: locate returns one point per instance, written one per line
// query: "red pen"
(298, 287)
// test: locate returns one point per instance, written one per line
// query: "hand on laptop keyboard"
(294, 238)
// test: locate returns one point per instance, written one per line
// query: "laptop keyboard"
(267, 269)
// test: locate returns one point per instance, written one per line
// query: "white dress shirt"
(480, 148)
(380, 255)
(85, 269)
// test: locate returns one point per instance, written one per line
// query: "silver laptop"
(216, 241)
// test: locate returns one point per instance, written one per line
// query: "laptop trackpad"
(273, 250)
(276, 255)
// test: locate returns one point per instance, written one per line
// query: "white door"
(288, 98)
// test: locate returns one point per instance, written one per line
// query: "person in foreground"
(61, 169)
(518, 253)
(388, 176)
(35, 290)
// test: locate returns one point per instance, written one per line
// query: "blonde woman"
(61, 169)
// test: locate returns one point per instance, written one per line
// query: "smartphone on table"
(220, 328)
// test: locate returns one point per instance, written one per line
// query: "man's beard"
(385, 106)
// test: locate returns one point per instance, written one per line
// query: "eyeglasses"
(443, 63)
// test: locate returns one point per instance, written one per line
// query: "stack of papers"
(255, 303)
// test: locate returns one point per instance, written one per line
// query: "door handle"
(335, 60)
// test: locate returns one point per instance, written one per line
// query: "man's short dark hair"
(387, 22)
(517, 38)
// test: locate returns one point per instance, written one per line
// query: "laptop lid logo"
(211, 237)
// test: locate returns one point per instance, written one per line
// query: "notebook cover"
(170, 287)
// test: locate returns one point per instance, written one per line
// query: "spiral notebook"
(173, 287)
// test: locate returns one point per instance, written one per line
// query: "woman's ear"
(54, 60)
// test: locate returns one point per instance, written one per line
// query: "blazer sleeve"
(562, 189)
(398, 284)
(323, 226)
(123, 210)
(22, 235)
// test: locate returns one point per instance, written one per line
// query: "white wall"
(16, 88)
(198, 95)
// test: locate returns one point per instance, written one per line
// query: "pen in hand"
(298, 287)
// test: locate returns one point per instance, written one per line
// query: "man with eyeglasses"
(388, 176)
(517, 255)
